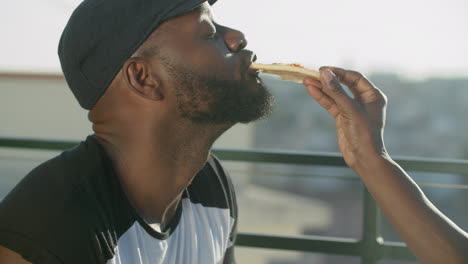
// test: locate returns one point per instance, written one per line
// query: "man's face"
(209, 70)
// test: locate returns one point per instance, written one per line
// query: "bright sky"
(417, 38)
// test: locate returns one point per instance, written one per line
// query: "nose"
(234, 39)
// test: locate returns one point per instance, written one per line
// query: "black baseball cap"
(102, 34)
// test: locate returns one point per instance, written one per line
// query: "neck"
(155, 164)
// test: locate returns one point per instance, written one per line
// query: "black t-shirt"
(71, 209)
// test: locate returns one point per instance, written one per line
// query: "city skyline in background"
(416, 39)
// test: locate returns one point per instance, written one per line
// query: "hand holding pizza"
(360, 120)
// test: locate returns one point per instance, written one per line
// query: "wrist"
(371, 161)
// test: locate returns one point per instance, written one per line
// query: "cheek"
(206, 58)
(215, 59)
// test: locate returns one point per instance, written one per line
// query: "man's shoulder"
(50, 186)
(54, 205)
(58, 176)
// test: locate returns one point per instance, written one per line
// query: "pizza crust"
(287, 72)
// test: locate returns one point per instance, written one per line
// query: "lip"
(252, 74)
(253, 71)
(248, 57)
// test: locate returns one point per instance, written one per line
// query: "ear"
(142, 79)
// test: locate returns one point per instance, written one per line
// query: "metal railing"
(371, 247)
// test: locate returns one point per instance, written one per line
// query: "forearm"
(431, 236)
(360, 121)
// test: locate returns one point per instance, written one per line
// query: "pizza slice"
(288, 72)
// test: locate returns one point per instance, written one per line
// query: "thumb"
(333, 88)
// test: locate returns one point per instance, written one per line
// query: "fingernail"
(327, 75)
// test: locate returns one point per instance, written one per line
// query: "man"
(141, 190)
(162, 82)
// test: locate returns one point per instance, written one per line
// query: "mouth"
(253, 71)
(247, 58)
(252, 74)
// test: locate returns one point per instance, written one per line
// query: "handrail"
(451, 166)
(371, 247)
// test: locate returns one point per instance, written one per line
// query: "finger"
(356, 82)
(334, 90)
(323, 100)
(361, 87)
(312, 81)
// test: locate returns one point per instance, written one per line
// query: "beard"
(213, 100)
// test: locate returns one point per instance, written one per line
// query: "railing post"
(371, 231)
